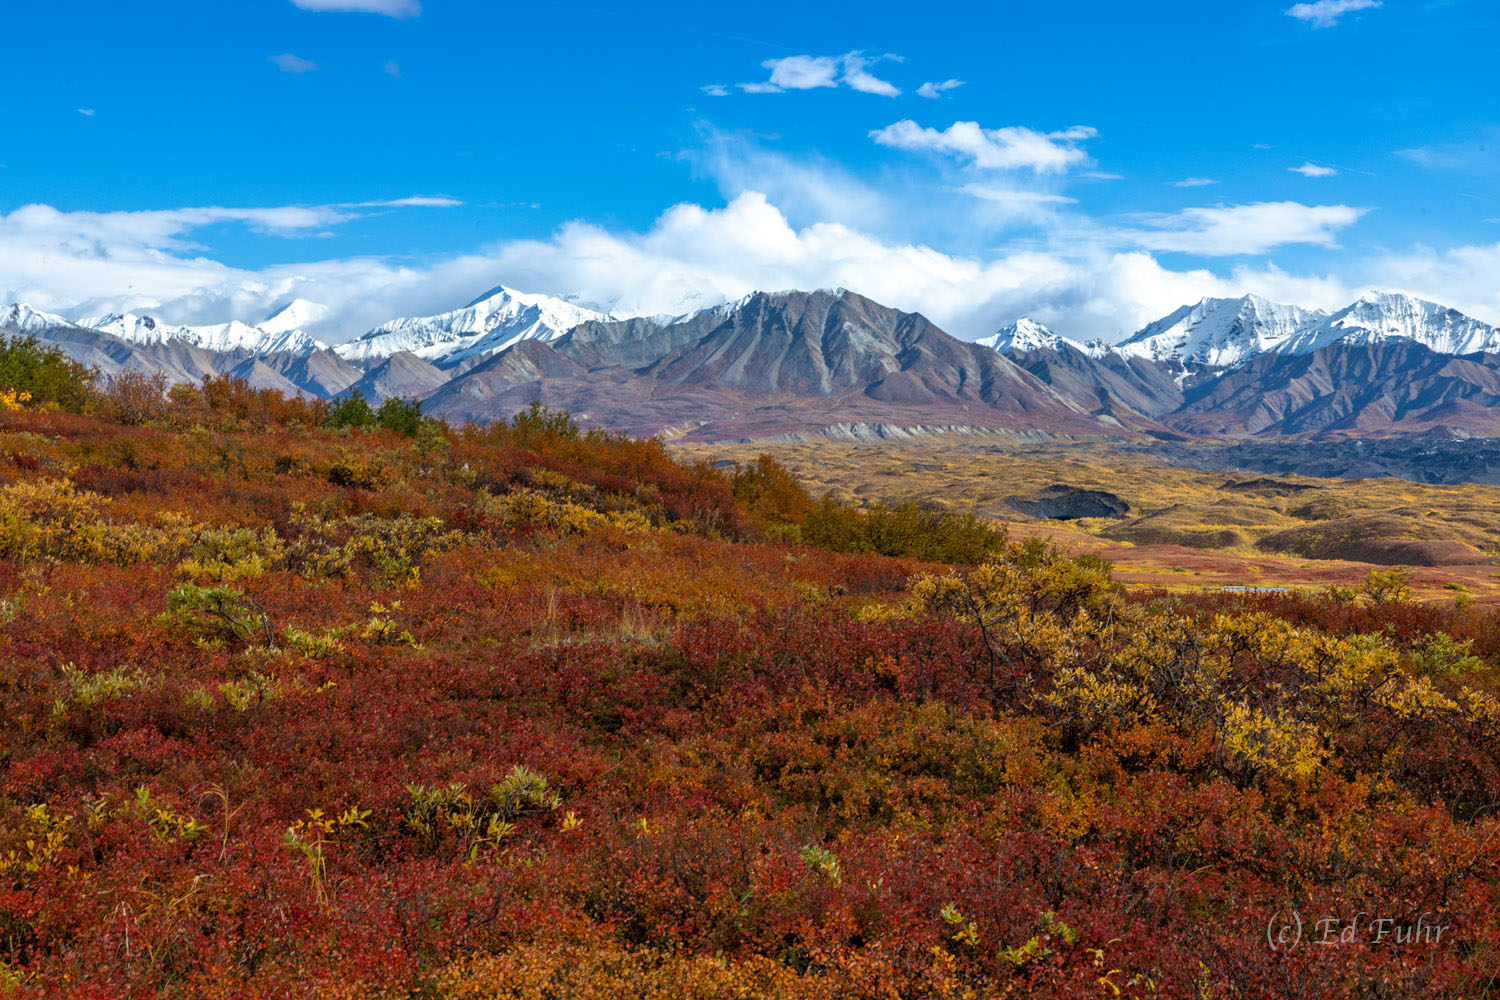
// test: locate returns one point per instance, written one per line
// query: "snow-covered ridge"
(1226, 333)
(491, 323)
(1027, 334)
(282, 332)
(1220, 333)
(1382, 316)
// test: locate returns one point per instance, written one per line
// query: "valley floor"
(1194, 521)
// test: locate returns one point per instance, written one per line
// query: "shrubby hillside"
(352, 703)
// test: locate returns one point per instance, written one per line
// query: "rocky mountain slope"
(770, 364)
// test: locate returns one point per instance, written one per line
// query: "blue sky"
(1098, 164)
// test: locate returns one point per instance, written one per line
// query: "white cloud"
(1326, 13)
(802, 72)
(1231, 230)
(393, 68)
(716, 90)
(1462, 277)
(288, 63)
(1012, 148)
(857, 77)
(86, 112)
(90, 262)
(1314, 170)
(390, 8)
(1194, 182)
(814, 72)
(808, 188)
(1013, 196)
(413, 201)
(87, 263)
(933, 91)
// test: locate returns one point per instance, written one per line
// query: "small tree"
(352, 410)
(401, 415)
(1388, 586)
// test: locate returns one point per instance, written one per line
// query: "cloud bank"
(82, 263)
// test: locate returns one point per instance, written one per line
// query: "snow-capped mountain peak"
(20, 317)
(298, 314)
(494, 321)
(1381, 316)
(1220, 333)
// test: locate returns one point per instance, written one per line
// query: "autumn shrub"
(1390, 586)
(134, 397)
(776, 502)
(390, 548)
(905, 530)
(537, 423)
(227, 401)
(261, 739)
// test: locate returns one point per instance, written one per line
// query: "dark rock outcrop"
(1060, 502)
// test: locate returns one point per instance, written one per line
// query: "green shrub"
(46, 373)
(401, 415)
(538, 421)
(352, 410)
(218, 614)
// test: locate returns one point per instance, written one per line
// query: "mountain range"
(1386, 364)
(836, 363)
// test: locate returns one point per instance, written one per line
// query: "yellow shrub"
(1254, 741)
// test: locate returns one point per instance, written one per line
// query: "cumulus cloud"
(1233, 230)
(390, 8)
(929, 200)
(933, 91)
(1011, 148)
(804, 72)
(1314, 170)
(90, 262)
(1326, 13)
(807, 187)
(288, 63)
